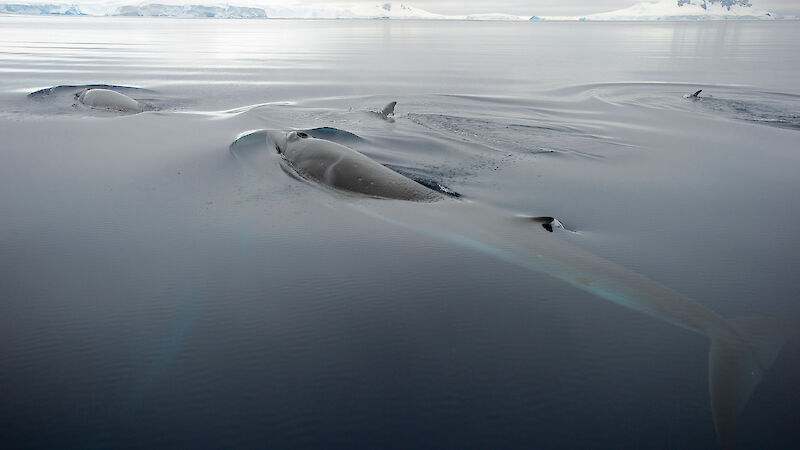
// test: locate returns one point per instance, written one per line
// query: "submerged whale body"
(108, 99)
(741, 351)
(346, 169)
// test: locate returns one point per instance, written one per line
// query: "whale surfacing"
(345, 169)
(108, 99)
(741, 350)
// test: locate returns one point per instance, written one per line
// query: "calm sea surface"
(156, 292)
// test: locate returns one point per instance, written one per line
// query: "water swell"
(514, 137)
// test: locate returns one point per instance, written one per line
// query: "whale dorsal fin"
(388, 110)
(547, 222)
(696, 94)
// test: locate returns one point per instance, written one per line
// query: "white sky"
(521, 7)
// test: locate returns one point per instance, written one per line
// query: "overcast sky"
(539, 7)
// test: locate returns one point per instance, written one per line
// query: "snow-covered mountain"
(161, 10)
(173, 8)
(40, 9)
(670, 10)
(387, 10)
(648, 10)
(345, 11)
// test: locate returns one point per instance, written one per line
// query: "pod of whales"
(741, 350)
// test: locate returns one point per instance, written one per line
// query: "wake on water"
(778, 109)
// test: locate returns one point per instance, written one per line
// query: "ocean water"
(158, 292)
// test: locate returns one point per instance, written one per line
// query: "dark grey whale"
(741, 350)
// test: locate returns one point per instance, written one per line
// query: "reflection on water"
(157, 292)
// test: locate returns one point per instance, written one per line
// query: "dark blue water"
(156, 292)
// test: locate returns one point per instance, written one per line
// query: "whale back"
(108, 99)
(346, 169)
